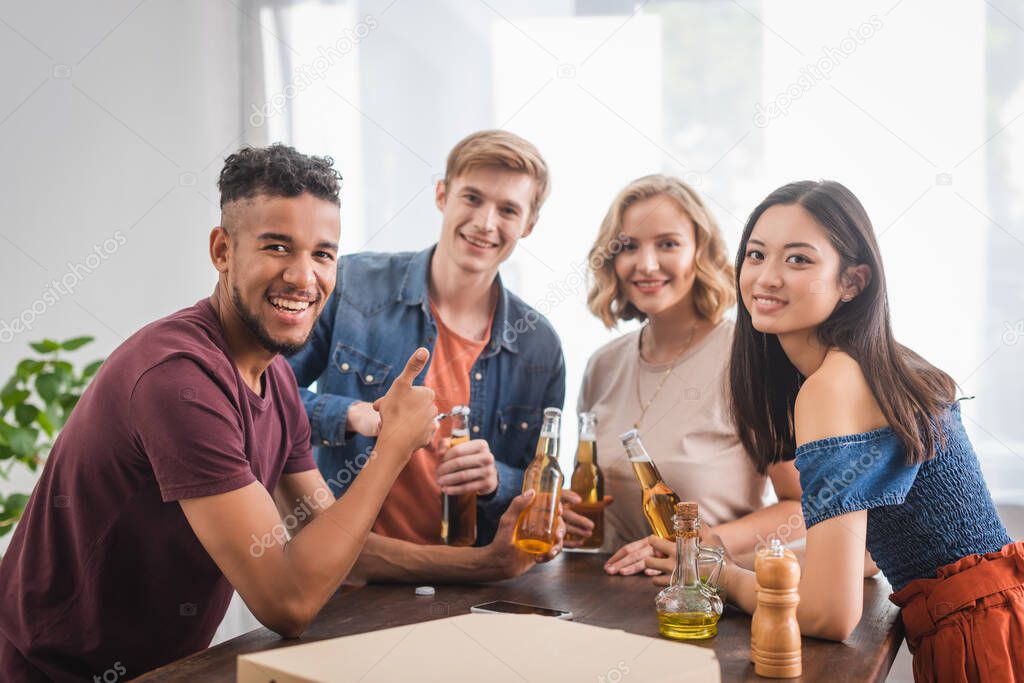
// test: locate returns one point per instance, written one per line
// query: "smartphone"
(506, 607)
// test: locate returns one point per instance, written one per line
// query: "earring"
(847, 299)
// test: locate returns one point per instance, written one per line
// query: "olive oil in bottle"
(688, 609)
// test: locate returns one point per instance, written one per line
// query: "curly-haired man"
(186, 471)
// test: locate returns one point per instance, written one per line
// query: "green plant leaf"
(75, 343)
(45, 346)
(22, 440)
(12, 385)
(11, 510)
(68, 401)
(91, 369)
(28, 367)
(65, 372)
(25, 414)
(63, 367)
(43, 420)
(56, 415)
(48, 386)
(26, 436)
(15, 501)
(13, 398)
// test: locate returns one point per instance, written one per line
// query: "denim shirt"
(377, 316)
(920, 517)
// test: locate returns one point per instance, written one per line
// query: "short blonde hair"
(713, 289)
(501, 149)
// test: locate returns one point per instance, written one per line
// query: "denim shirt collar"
(413, 292)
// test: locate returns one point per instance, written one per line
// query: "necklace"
(644, 407)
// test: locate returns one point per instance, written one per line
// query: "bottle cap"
(425, 590)
(629, 436)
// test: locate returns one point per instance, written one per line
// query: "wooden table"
(575, 582)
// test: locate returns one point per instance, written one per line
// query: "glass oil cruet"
(689, 608)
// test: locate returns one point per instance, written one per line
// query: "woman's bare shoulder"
(836, 400)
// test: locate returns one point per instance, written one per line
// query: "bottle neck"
(636, 452)
(460, 421)
(586, 453)
(687, 549)
(551, 426)
(645, 469)
(547, 448)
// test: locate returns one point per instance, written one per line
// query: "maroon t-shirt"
(104, 573)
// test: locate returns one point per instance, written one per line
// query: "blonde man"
(489, 351)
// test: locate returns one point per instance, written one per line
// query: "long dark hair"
(911, 392)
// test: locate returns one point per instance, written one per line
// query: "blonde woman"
(660, 258)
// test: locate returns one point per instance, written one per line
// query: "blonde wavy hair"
(713, 288)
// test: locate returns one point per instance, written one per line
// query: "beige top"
(687, 431)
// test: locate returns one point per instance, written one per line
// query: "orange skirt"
(967, 625)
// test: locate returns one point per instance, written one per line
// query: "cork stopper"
(687, 511)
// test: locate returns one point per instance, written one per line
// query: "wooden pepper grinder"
(774, 631)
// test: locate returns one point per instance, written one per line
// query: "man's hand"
(577, 527)
(362, 419)
(407, 412)
(504, 556)
(467, 468)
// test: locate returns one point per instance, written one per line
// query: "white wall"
(114, 120)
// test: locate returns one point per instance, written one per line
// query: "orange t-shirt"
(412, 510)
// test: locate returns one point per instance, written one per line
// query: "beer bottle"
(535, 528)
(659, 500)
(588, 481)
(458, 513)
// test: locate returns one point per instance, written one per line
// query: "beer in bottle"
(458, 513)
(659, 500)
(588, 481)
(535, 528)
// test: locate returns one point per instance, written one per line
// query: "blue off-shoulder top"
(920, 517)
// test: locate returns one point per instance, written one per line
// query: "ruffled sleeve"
(842, 474)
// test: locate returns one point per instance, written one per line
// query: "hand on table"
(630, 558)
(662, 561)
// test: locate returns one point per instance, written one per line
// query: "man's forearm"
(327, 548)
(386, 559)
